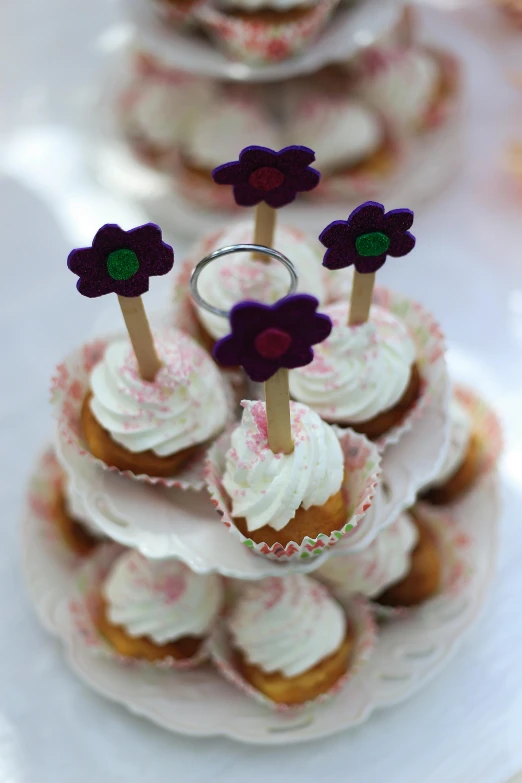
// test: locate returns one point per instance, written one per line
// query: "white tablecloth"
(467, 268)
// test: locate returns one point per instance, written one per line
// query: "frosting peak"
(185, 405)
(268, 488)
(359, 371)
(161, 599)
(287, 625)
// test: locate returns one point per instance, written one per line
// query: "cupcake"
(424, 576)
(153, 428)
(404, 84)
(157, 609)
(232, 279)
(157, 107)
(461, 465)
(178, 12)
(215, 134)
(363, 376)
(386, 561)
(78, 532)
(291, 639)
(266, 31)
(283, 498)
(349, 138)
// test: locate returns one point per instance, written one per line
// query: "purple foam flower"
(262, 174)
(121, 262)
(265, 338)
(367, 238)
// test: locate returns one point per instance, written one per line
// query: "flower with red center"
(121, 262)
(265, 338)
(261, 174)
(367, 238)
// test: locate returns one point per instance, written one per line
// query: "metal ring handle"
(228, 251)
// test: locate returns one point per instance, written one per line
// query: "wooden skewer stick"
(140, 335)
(264, 229)
(277, 397)
(361, 297)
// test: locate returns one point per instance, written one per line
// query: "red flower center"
(266, 178)
(272, 343)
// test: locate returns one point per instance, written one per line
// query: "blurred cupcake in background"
(350, 140)
(408, 85)
(217, 133)
(178, 12)
(157, 609)
(264, 31)
(157, 107)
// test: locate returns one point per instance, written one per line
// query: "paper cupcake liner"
(430, 350)
(69, 387)
(457, 568)
(444, 108)
(180, 14)
(486, 426)
(359, 615)
(260, 42)
(44, 489)
(362, 463)
(83, 607)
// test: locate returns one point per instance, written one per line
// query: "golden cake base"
(303, 687)
(462, 480)
(75, 535)
(102, 446)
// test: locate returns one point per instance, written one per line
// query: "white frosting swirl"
(383, 563)
(232, 279)
(268, 488)
(185, 405)
(461, 430)
(342, 134)
(401, 83)
(287, 625)
(359, 371)
(76, 509)
(161, 599)
(223, 129)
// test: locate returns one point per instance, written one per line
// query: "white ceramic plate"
(351, 29)
(409, 651)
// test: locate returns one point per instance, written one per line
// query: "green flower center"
(374, 244)
(122, 264)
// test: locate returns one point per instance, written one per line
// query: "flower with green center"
(367, 238)
(121, 262)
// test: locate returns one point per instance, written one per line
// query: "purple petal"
(227, 352)
(367, 264)
(339, 257)
(337, 231)
(366, 218)
(247, 196)
(293, 312)
(260, 369)
(82, 260)
(108, 238)
(401, 244)
(319, 329)
(293, 159)
(94, 286)
(227, 174)
(253, 158)
(398, 220)
(154, 255)
(247, 319)
(136, 285)
(307, 180)
(280, 196)
(298, 355)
